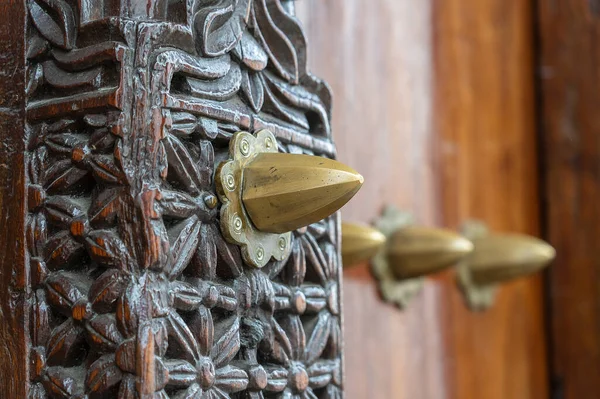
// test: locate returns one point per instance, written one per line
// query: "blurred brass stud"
(411, 253)
(498, 258)
(360, 243)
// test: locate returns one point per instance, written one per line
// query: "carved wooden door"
(116, 281)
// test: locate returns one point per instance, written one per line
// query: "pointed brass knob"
(360, 243)
(267, 194)
(498, 258)
(411, 253)
(284, 192)
(418, 251)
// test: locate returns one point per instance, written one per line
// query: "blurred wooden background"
(435, 104)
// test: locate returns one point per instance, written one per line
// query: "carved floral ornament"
(135, 292)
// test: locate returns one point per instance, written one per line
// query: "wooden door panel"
(434, 104)
(118, 278)
(568, 33)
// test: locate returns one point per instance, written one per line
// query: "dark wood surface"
(568, 75)
(115, 278)
(14, 292)
(434, 104)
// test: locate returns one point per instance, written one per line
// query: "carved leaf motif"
(228, 344)
(103, 374)
(129, 310)
(56, 77)
(253, 89)
(103, 333)
(177, 204)
(182, 335)
(35, 77)
(206, 163)
(105, 206)
(277, 379)
(182, 164)
(127, 388)
(107, 289)
(40, 319)
(62, 175)
(54, 19)
(315, 257)
(231, 379)
(205, 258)
(184, 246)
(299, 97)
(294, 330)
(282, 35)
(279, 108)
(62, 292)
(250, 53)
(64, 344)
(64, 383)
(193, 392)
(63, 250)
(228, 253)
(38, 164)
(201, 325)
(37, 233)
(105, 169)
(281, 346)
(106, 248)
(318, 338)
(62, 211)
(221, 26)
(186, 297)
(219, 89)
(320, 373)
(297, 264)
(181, 373)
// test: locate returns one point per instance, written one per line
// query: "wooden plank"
(569, 33)
(486, 146)
(13, 276)
(434, 104)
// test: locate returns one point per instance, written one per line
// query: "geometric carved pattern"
(135, 292)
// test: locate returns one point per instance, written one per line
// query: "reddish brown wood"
(569, 33)
(487, 147)
(14, 291)
(434, 105)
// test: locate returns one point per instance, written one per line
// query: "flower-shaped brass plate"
(257, 247)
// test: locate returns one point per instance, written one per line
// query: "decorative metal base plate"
(257, 247)
(399, 292)
(477, 297)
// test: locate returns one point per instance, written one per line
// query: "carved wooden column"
(115, 279)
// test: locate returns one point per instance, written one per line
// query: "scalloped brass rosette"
(257, 246)
(267, 194)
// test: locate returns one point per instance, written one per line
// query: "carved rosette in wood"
(134, 291)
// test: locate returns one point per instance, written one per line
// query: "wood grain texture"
(485, 111)
(440, 97)
(14, 318)
(569, 33)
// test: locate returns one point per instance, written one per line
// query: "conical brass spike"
(496, 259)
(411, 253)
(501, 257)
(418, 251)
(265, 195)
(360, 243)
(283, 192)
